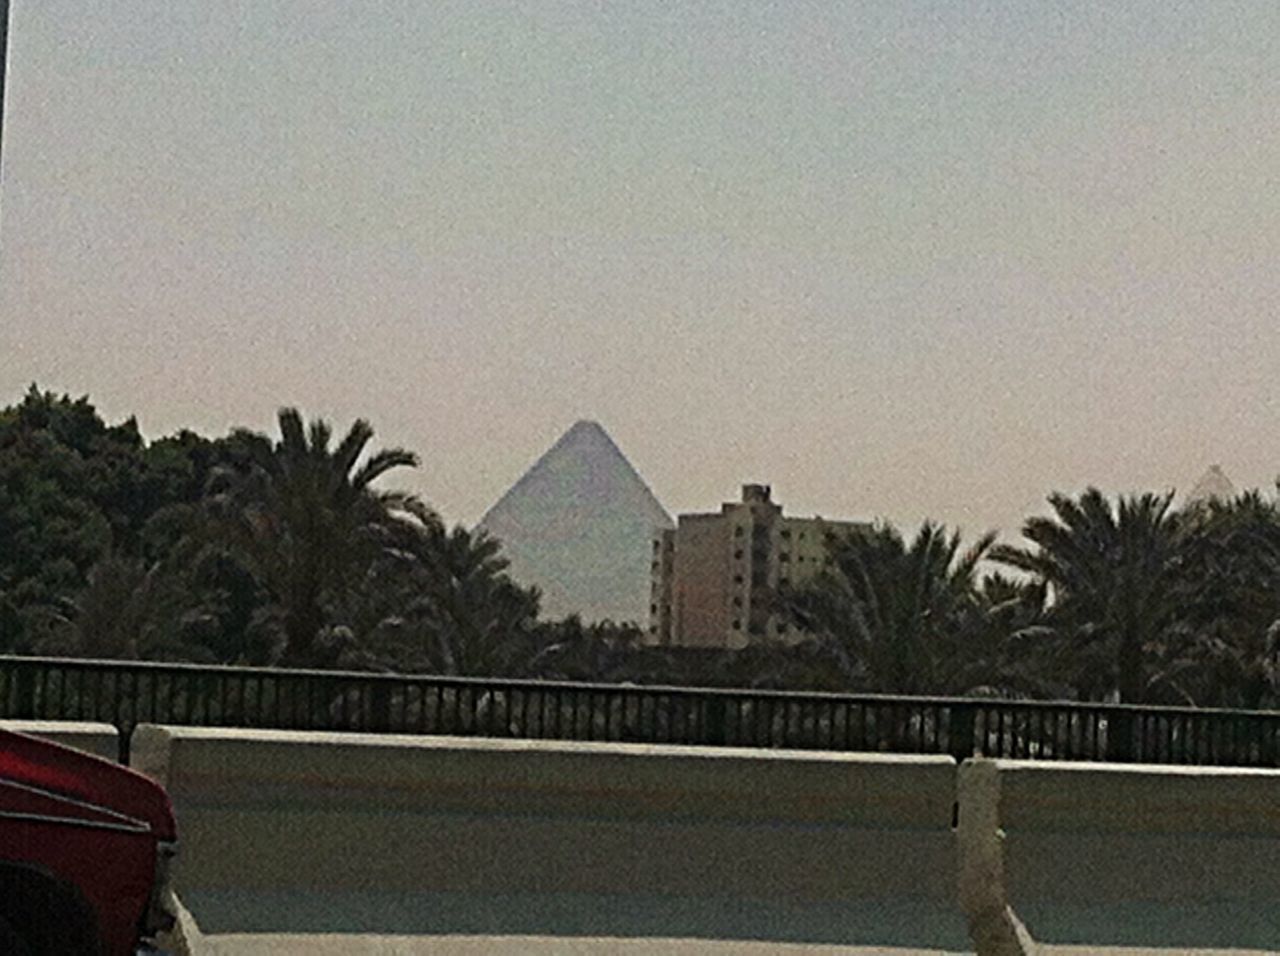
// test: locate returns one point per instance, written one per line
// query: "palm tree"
(475, 612)
(894, 614)
(1004, 646)
(441, 601)
(305, 519)
(1112, 575)
(1230, 591)
(128, 609)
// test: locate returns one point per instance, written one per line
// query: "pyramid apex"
(579, 525)
(1214, 485)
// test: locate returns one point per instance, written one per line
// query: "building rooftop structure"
(715, 576)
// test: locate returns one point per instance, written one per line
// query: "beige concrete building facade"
(715, 576)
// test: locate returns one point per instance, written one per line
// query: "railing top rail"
(512, 683)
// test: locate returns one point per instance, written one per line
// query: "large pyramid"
(1214, 485)
(579, 526)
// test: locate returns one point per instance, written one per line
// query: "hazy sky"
(896, 258)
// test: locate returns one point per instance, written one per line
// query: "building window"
(737, 625)
(784, 557)
(784, 581)
(738, 532)
(801, 535)
(737, 602)
(782, 628)
(656, 544)
(737, 579)
(738, 554)
(653, 609)
(785, 533)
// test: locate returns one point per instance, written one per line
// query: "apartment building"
(714, 576)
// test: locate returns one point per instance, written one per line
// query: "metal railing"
(126, 693)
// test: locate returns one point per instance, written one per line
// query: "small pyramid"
(579, 526)
(1214, 485)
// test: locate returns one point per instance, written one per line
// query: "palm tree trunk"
(301, 625)
(1131, 681)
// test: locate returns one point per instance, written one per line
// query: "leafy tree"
(808, 664)
(1112, 575)
(477, 613)
(894, 613)
(441, 601)
(1004, 646)
(55, 517)
(1226, 640)
(304, 519)
(570, 649)
(129, 609)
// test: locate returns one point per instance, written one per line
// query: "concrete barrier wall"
(450, 834)
(334, 833)
(1167, 857)
(102, 740)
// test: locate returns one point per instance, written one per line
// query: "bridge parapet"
(314, 832)
(101, 740)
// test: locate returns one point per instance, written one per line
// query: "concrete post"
(993, 926)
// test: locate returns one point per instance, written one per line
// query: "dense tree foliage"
(895, 614)
(1113, 572)
(237, 550)
(258, 550)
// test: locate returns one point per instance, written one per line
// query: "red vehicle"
(85, 846)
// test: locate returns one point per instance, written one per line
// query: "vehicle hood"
(72, 773)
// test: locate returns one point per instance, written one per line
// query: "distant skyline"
(896, 260)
